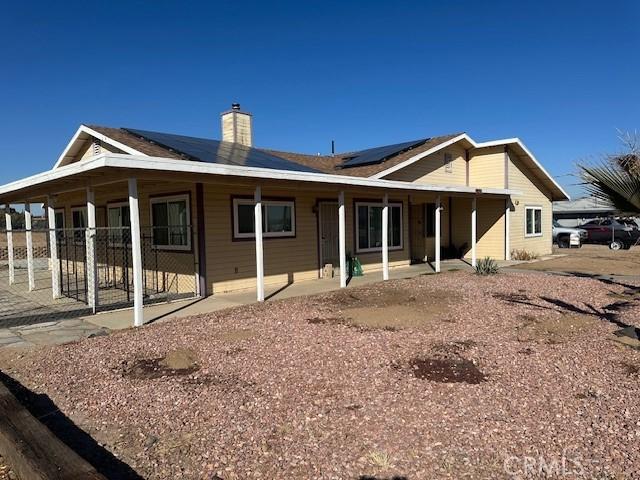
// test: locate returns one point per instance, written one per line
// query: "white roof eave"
(185, 166)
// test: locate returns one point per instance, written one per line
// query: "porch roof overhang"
(110, 168)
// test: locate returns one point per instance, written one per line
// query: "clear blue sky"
(561, 75)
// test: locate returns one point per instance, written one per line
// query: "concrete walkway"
(65, 331)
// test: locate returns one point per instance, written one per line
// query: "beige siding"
(431, 169)
(487, 168)
(231, 263)
(533, 194)
(490, 227)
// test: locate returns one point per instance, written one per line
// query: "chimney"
(236, 126)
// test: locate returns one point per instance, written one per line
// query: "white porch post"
(507, 230)
(474, 203)
(136, 253)
(259, 252)
(385, 237)
(29, 237)
(341, 236)
(53, 250)
(12, 271)
(92, 271)
(438, 207)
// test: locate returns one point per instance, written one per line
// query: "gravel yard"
(441, 376)
(591, 260)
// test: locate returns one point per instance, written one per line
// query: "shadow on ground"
(43, 408)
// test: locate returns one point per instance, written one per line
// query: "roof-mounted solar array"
(379, 154)
(215, 151)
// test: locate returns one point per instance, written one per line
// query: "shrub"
(523, 255)
(487, 266)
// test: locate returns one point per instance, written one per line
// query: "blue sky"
(562, 76)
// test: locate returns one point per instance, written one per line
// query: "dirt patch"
(181, 359)
(446, 370)
(454, 348)
(235, 335)
(176, 363)
(630, 369)
(554, 328)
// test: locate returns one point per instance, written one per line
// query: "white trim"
(136, 253)
(474, 232)
(265, 204)
(381, 205)
(507, 230)
(532, 207)
(437, 233)
(103, 138)
(385, 236)
(421, 155)
(159, 164)
(342, 242)
(257, 221)
(29, 236)
(171, 198)
(464, 136)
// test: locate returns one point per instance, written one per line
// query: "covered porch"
(207, 238)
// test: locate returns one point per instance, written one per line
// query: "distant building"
(572, 213)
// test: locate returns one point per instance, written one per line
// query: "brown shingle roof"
(324, 163)
(333, 164)
(133, 141)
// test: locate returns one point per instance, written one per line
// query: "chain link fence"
(93, 268)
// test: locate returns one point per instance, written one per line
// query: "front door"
(329, 245)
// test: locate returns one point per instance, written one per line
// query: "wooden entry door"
(329, 242)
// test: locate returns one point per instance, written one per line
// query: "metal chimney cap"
(235, 106)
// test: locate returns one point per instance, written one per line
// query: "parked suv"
(615, 233)
(567, 237)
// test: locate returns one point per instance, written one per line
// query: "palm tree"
(616, 178)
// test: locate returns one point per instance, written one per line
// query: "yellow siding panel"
(486, 168)
(533, 194)
(431, 169)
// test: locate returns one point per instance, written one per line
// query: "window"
(119, 223)
(448, 163)
(533, 221)
(369, 222)
(430, 220)
(79, 223)
(170, 219)
(278, 218)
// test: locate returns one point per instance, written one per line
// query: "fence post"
(136, 253)
(29, 236)
(12, 272)
(92, 272)
(53, 250)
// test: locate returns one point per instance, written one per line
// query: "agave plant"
(616, 179)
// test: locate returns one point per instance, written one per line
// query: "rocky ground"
(447, 376)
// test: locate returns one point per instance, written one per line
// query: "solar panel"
(379, 154)
(215, 151)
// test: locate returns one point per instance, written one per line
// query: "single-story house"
(228, 215)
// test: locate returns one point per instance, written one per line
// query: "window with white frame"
(533, 221)
(369, 226)
(79, 223)
(278, 218)
(170, 222)
(119, 222)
